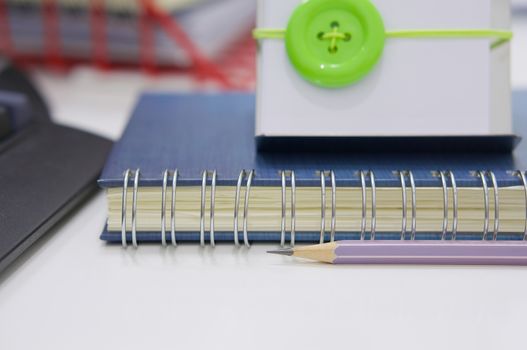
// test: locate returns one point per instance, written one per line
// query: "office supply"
(348, 68)
(414, 252)
(189, 171)
(46, 170)
(192, 36)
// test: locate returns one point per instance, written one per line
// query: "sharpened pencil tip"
(287, 252)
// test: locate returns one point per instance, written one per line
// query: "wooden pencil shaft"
(418, 252)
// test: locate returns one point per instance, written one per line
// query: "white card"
(423, 87)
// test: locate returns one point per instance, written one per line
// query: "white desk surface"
(72, 291)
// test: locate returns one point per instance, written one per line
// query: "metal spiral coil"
(166, 175)
(204, 179)
(202, 209)
(173, 208)
(212, 207)
(455, 203)
(246, 208)
(486, 197)
(496, 206)
(131, 178)
(404, 205)
(293, 209)
(237, 206)
(163, 207)
(453, 185)
(248, 184)
(444, 226)
(413, 219)
(414, 206)
(373, 205)
(363, 207)
(485, 188)
(362, 177)
(333, 226)
(523, 180)
(323, 202)
(284, 204)
(322, 206)
(136, 174)
(284, 174)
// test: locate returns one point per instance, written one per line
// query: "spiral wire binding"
(126, 179)
(444, 226)
(373, 205)
(496, 206)
(521, 175)
(282, 222)
(402, 177)
(166, 175)
(123, 208)
(248, 176)
(204, 178)
(173, 208)
(404, 203)
(323, 202)
(134, 208)
(362, 174)
(284, 174)
(237, 206)
(246, 208)
(485, 188)
(202, 209)
(333, 206)
(414, 205)
(163, 207)
(212, 206)
(322, 206)
(455, 203)
(363, 207)
(293, 209)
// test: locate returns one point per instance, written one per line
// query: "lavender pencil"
(414, 252)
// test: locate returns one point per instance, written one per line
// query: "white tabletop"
(72, 291)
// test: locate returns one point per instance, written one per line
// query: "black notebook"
(45, 169)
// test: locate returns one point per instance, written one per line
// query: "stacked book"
(209, 24)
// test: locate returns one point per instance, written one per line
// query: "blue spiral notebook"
(209, 139)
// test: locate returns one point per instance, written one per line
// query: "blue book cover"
(197, 132)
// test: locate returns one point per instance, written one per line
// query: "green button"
(335, 43)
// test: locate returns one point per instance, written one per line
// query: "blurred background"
(91, 59)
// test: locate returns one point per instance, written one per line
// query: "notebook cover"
(196, 132)
(45, 171)
(216, 131)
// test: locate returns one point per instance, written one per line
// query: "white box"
(420, 86)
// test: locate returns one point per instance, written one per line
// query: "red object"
(52, 42)
(203, 67)
(6, 46)
(233, 70)
(147, 56)
(98, 34)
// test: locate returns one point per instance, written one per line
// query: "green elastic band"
(268, 33)
(500, 36)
